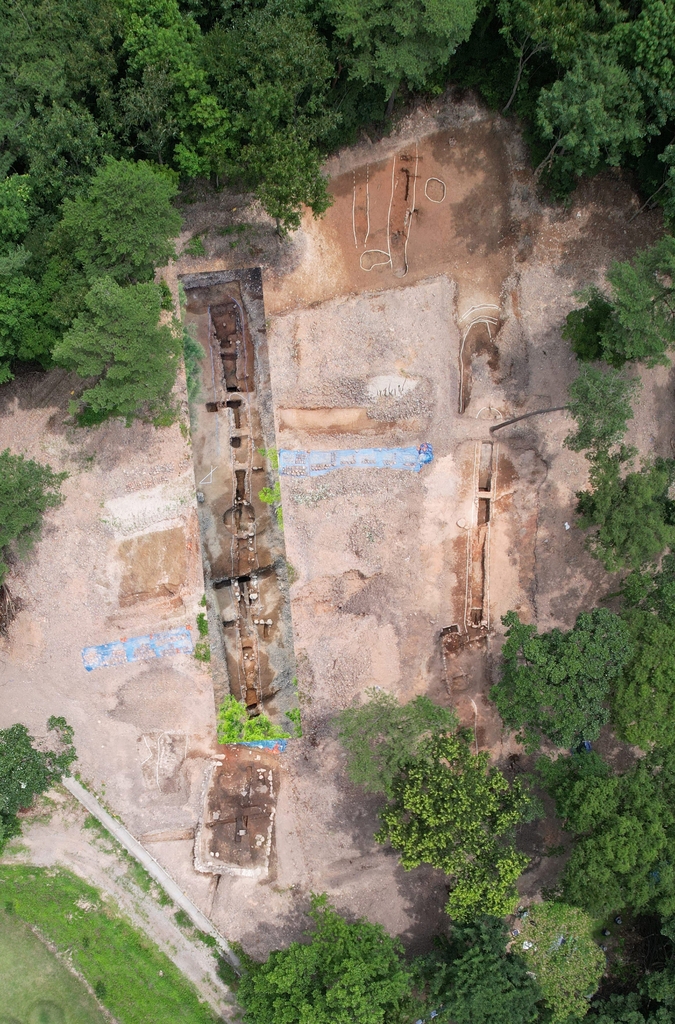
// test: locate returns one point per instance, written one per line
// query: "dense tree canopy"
(476, 980)
(564, 956)
(345, 973)
(391, 41)
(123, 226)
(558, 684)
(26, 771)
(451, 810)
(642, 704)
(117, 339)
(637, 320)
(624, 831)
(600, 401)
(631, 517)
(27, 490)
(446, 806)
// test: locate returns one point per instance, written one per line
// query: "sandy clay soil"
(426, 305)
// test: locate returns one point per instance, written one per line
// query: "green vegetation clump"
(195, 247)
(476, 979)
(235, 726)
(203, 651)
(26, 771)
(558, 684)
(631, 517)
(27, 490)
(382, 736)
(130, 975)
(446, 806)
(635, 322)
(117, 339)
(623, 826)
(600, 401)
(202, 624)
(295, 717)
(564, 957)
(584, 327)
(345, 972)
(272, 496)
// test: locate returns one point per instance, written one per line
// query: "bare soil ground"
(382, 562)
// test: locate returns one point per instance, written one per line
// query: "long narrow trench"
(243, 546)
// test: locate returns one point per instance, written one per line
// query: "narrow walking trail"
(155, 870)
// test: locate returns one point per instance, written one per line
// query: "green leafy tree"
(601, 403)
(26, 771)
(584, 327)
(123, 227)
(558, 684)
(450, 810)
(594, 115)
(235, 726)
(563, 955)
(632, 517)
(272, 67)
(382, 736)
(388, 41)
(57, 81)
(637, 320)
(475, 980)
(642, 325)
(347, 972)
(624, 831)
(24, 312)
(646, 45)
(627, 1009)
(559, 27)
(148, 114)
(27, 490)
(652, 591)
(645, 691)
(292, 178)
(118, 340)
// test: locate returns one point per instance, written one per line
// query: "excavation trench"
(242, 543)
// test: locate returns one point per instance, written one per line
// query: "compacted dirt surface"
(423, 308)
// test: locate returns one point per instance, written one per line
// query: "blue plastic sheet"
(304, 464)
(138, 648)
(276, 746)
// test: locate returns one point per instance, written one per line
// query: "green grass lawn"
(35, 988)
(130, 975)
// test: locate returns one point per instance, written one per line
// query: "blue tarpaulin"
(138, 648)
(276, 746)
(303, 464)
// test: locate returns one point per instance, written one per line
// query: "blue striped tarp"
(138, 648)
(303, 464)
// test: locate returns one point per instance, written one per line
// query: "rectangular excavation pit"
(485, 467)
(243, 549)
(483, 511)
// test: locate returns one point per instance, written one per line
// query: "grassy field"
(129, 974)
(34, 987)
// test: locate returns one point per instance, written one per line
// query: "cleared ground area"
(424, 307)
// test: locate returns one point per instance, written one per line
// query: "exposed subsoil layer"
(382, 563)
(468, 235)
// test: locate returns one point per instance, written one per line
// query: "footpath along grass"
(34, 986)
(130, 975)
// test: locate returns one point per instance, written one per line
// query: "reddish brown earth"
(382, 562)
